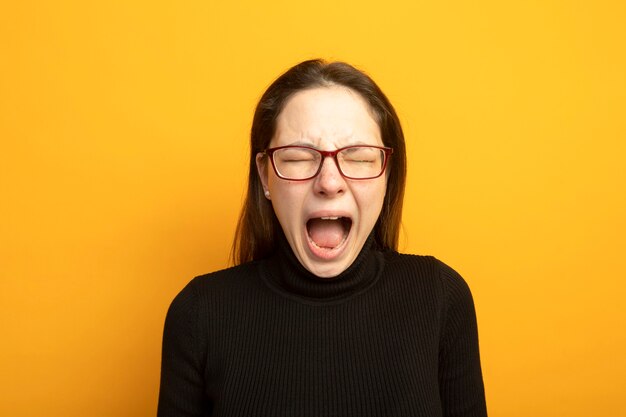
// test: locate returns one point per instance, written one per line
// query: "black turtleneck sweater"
(393, 335)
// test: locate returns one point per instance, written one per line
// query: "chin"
(327, 270)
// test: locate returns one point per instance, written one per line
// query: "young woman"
(322, 316)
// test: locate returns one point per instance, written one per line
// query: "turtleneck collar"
(287, 275)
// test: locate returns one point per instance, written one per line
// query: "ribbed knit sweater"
(393, 335)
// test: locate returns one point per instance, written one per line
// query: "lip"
(326, 254)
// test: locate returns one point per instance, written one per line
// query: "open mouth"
(328, 232)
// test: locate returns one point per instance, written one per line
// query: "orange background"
(124, 129)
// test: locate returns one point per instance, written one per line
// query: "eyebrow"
(302, 143)
(311, 145)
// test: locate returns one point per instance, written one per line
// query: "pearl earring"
(267, 194)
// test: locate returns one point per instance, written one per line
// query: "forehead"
(330, 117)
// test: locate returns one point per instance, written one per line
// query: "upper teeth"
(330, 218)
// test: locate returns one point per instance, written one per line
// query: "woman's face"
(328, 218)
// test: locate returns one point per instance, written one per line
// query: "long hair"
(255, 237)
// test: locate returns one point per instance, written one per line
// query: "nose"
(329, 182)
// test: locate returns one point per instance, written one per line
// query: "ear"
(261, 167)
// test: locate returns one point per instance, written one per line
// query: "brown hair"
(255, 237)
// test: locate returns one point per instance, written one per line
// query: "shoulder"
(219, 285)
(421, 264)
(234, 276)
(424, 266)
(428, 273)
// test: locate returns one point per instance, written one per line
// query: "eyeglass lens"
(354, 162)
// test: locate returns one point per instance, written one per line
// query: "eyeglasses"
(300, 163)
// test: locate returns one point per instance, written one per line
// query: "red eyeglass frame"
(329, 154)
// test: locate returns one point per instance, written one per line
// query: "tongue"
(326, 233)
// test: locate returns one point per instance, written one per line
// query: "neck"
(287, 275)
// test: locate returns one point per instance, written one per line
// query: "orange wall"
(123, 129)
